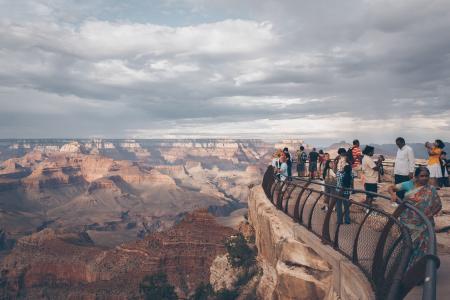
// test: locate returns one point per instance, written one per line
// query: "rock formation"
(291, 269)
(57, 265)
(295, 263)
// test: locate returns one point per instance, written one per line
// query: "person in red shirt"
(356, 154)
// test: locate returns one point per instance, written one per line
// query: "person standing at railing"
(313, 157)
(282, 171)
(379, 163)
(276, 159)
(330, 180)
(288, 161)
(355, 157)
(321, 163)
(404, 164)
(423, 196)
(370, 171)
(445, 164)
(434, 164)
(302, 157)
(344, 178)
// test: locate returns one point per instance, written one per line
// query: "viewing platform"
(375, 241)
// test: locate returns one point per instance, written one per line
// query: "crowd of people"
(416, 184)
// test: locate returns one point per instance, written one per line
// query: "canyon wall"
(295, 263)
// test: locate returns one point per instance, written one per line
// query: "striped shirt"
(356, 154)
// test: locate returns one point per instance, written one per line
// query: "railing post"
(312, 210)
(355, 245)
(300, 220)
(429, 285)
(287, 199)
(281, 194)
(297, 203)
(326, 222)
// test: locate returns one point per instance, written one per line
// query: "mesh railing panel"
(374, 240)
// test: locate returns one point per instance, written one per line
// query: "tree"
(157, 286)
(239, 253)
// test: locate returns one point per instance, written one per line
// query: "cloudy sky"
(321, 70)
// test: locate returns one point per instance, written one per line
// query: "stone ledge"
(296, 264)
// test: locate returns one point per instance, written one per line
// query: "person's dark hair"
(355, 142)
(302, 148)
(419, 170)
(440, 144)
(443, 153)
(285, 149)
(320, 151)
(342, 151)
(400, 139)
(368, 149)
(314, 149)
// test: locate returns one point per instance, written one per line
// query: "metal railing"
(375, 241)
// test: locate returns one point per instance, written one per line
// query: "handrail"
(384, 163)
(387, 262)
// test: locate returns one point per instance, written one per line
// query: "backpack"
(350, 157)
(303, 157)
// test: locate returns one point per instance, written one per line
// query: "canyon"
(89, 219)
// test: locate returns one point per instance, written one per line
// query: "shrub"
(157, 287)
(239, 253)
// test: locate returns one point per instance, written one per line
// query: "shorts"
(371, 187)
(300, 167)
(313, 166)
(435, 171)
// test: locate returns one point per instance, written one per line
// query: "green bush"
(157, 287)
(239, 253)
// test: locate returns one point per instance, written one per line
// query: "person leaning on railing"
(423, 196)
(344, 178)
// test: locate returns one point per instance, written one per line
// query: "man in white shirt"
(404, 164)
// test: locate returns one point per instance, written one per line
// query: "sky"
(323, 71)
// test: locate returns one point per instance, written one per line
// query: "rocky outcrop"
(68, 265)
(73, 147)
(51, 175)
(295, 264)
(223, 275)
(95, 166)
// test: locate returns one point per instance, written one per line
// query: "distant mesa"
(73, 147)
